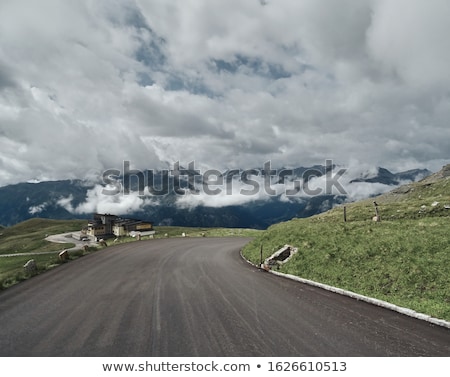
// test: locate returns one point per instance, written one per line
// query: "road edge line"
(374, 301)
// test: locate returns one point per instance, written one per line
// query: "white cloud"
(85, 85)
(220, 193)
(33, 210)
(408, 40)
(98, 202)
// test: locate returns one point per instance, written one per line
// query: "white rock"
(30, 266)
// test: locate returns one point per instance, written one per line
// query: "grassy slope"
(405, 259)
(11, 268)
(26, 237)
(29, 235)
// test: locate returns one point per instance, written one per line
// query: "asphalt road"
(195, 297)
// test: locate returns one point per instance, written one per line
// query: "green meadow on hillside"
(28, 237)
(404, 259)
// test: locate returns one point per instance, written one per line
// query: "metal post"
(261, 256)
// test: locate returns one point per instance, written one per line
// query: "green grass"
(12, 271)
(177, 231)
(174, 231)
(29, 236)
(404, 259)
(427, 198)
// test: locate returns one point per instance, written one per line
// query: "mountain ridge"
(64, 199)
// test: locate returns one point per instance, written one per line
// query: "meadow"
(403, 259)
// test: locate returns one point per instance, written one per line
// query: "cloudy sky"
(87, 84)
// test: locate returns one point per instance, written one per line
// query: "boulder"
(30, 267)
(63, 255)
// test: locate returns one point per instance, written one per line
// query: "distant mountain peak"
(386, 177)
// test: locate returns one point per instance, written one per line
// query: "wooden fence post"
(377, 214)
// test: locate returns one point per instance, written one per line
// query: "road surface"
(68, 238)
(195, 297)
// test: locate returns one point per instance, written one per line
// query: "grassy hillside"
(404, 259)
(29, 237)
(426, 198)
(12, 272)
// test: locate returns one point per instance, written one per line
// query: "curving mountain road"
(195, 297)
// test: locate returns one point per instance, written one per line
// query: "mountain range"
(68, 199)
